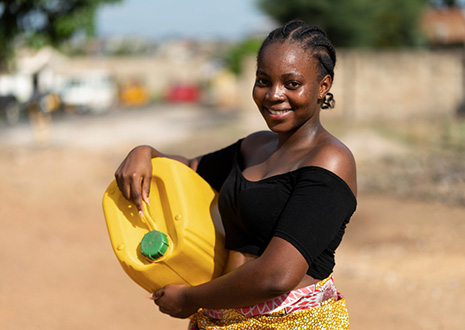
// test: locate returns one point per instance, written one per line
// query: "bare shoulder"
(336, 157)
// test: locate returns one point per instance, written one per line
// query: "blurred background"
(82, 82)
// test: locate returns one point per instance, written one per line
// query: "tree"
(236, 54)
(448, 3)
(40, 22)
(355, 23)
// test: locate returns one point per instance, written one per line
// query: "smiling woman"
(285, 87)
(286, 196)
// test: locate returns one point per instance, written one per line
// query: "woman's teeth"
(277, 112)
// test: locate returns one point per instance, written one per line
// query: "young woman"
(286, 196)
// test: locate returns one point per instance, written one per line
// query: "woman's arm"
(278, 270)
(134, 174)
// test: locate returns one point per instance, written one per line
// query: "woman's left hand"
(172, 300)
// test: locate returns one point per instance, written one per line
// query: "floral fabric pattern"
(318, 306)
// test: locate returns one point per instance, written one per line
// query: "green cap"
(154, 244)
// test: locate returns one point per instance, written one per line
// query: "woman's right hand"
(134, 175)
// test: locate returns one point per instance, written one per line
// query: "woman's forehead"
(286, 54)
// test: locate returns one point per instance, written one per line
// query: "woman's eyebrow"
(285, 75)
(261, 72)
(292, 74)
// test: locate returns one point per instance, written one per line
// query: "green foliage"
(355, 23)
(235, 55)
(41, 22)
(451, 3)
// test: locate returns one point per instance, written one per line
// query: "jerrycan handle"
(146, 217)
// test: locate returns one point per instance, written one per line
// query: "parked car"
(132, 93)
(16, 90)
(89, 91)
(19, 93)
(182, 93)
(10, 109)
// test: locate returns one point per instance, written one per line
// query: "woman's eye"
(293, 84)
(261, 82)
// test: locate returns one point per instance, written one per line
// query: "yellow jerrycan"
(180, 238)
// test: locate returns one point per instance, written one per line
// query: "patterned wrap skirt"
(318, 306)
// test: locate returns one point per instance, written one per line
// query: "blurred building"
(444, 27)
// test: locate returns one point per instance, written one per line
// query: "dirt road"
(401, 264)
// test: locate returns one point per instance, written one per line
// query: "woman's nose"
(276, 93)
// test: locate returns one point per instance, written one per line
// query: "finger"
(119, 180)
(124, 188)
(123, 185)
(136, 192)
(156, 295)
(146, 189)
(159, 293)
(139, 207)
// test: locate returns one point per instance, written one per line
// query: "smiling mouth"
(277, 112)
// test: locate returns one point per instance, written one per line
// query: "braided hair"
(313, 39)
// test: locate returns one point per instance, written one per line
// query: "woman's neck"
(304, 135)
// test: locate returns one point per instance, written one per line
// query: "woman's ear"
(325, 86)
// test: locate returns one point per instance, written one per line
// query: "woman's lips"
(277, 112)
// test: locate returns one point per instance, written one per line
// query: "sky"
(200, 19)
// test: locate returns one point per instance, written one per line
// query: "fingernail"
(150, 296)
(141, 213)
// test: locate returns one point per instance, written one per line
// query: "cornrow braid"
(312, 39)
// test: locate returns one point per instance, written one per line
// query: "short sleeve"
(215, 167)
(320, 205)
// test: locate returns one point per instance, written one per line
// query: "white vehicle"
(15, 91)
(19, 92)
(89, 91)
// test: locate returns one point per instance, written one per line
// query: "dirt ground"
(401, 264)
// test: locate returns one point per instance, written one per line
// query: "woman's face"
(287, 87)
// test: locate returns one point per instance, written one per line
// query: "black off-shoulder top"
(308, 207)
